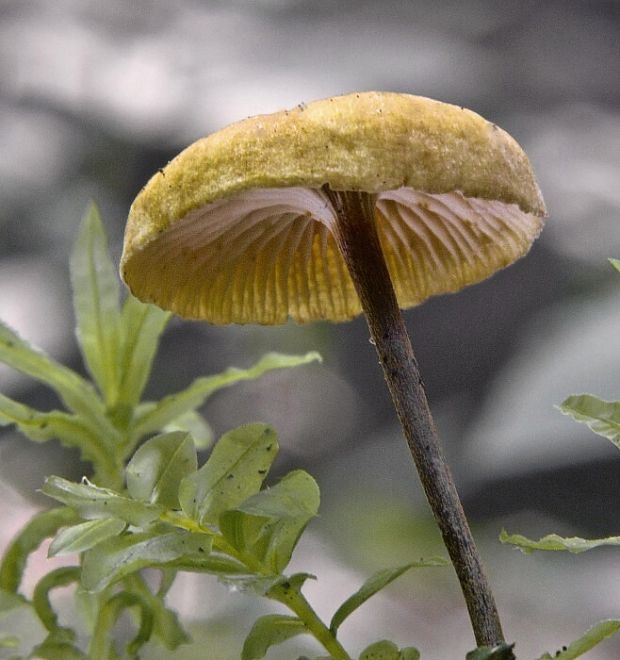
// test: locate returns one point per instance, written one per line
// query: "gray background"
(95, 96)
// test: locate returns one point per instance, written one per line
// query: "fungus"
(367, 202)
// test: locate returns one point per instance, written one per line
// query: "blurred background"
(96, 96)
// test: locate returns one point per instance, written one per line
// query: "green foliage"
(373, 585)
(245, 535)
(573, 544)
(385, 650)
(268, 631)
(148, 504)
(269, 524)
(236, 470)
(82, 537)
(602, 417)
(106, 419)
(599, 632)
(156, 469)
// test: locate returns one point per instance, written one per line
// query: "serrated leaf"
(85, 536)
(157, 468)
(75, 392)
(595, 635)
(117, 557)
(383, 650)
(502, 651)
(156, 417)
(140, 328)
(235, 470)
(96, 304)
(268, 631)
(91, 501)
(269, 524)
(40, 527)
(602, 417)
(572, 544)
(374, 584)
(196, 425)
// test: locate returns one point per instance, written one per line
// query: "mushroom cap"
(237, 228)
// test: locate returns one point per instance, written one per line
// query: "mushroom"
(366, 202)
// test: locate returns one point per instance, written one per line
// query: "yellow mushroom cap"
(237, 228)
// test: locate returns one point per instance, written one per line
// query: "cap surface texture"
(237, 228)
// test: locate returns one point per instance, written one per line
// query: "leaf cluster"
(105, 418)
(215, 519)
(148, 504)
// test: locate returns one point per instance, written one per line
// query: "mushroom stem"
(358, 241)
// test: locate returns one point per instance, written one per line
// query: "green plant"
(602, 417)
(148, 504)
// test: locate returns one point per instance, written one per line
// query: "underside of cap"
(236, 228)
(267, 255)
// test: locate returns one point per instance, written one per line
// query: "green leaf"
(156, 417)
(276, 587)
(85, 536)
(502, 651)
(59, 577)
(235, 470)
(374, 584)
(573, 544)
(120, 556)
(75, 392)
(383, 650)
(615, 263)
(141, 326)
(70, 430)
(54, 649)
(96, 303)
(166, 626)
(94, 502)
(586, 642)
(157, 468)
(268, 631)
(602, 417)
(40, 527)
(196, 425)
(225, 567)
(101, 643)
(386, 650)
(269, 524)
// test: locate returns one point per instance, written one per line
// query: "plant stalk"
(358, 240)
(298, 604)
(285, 594)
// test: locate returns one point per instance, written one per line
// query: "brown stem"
(359, 244)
